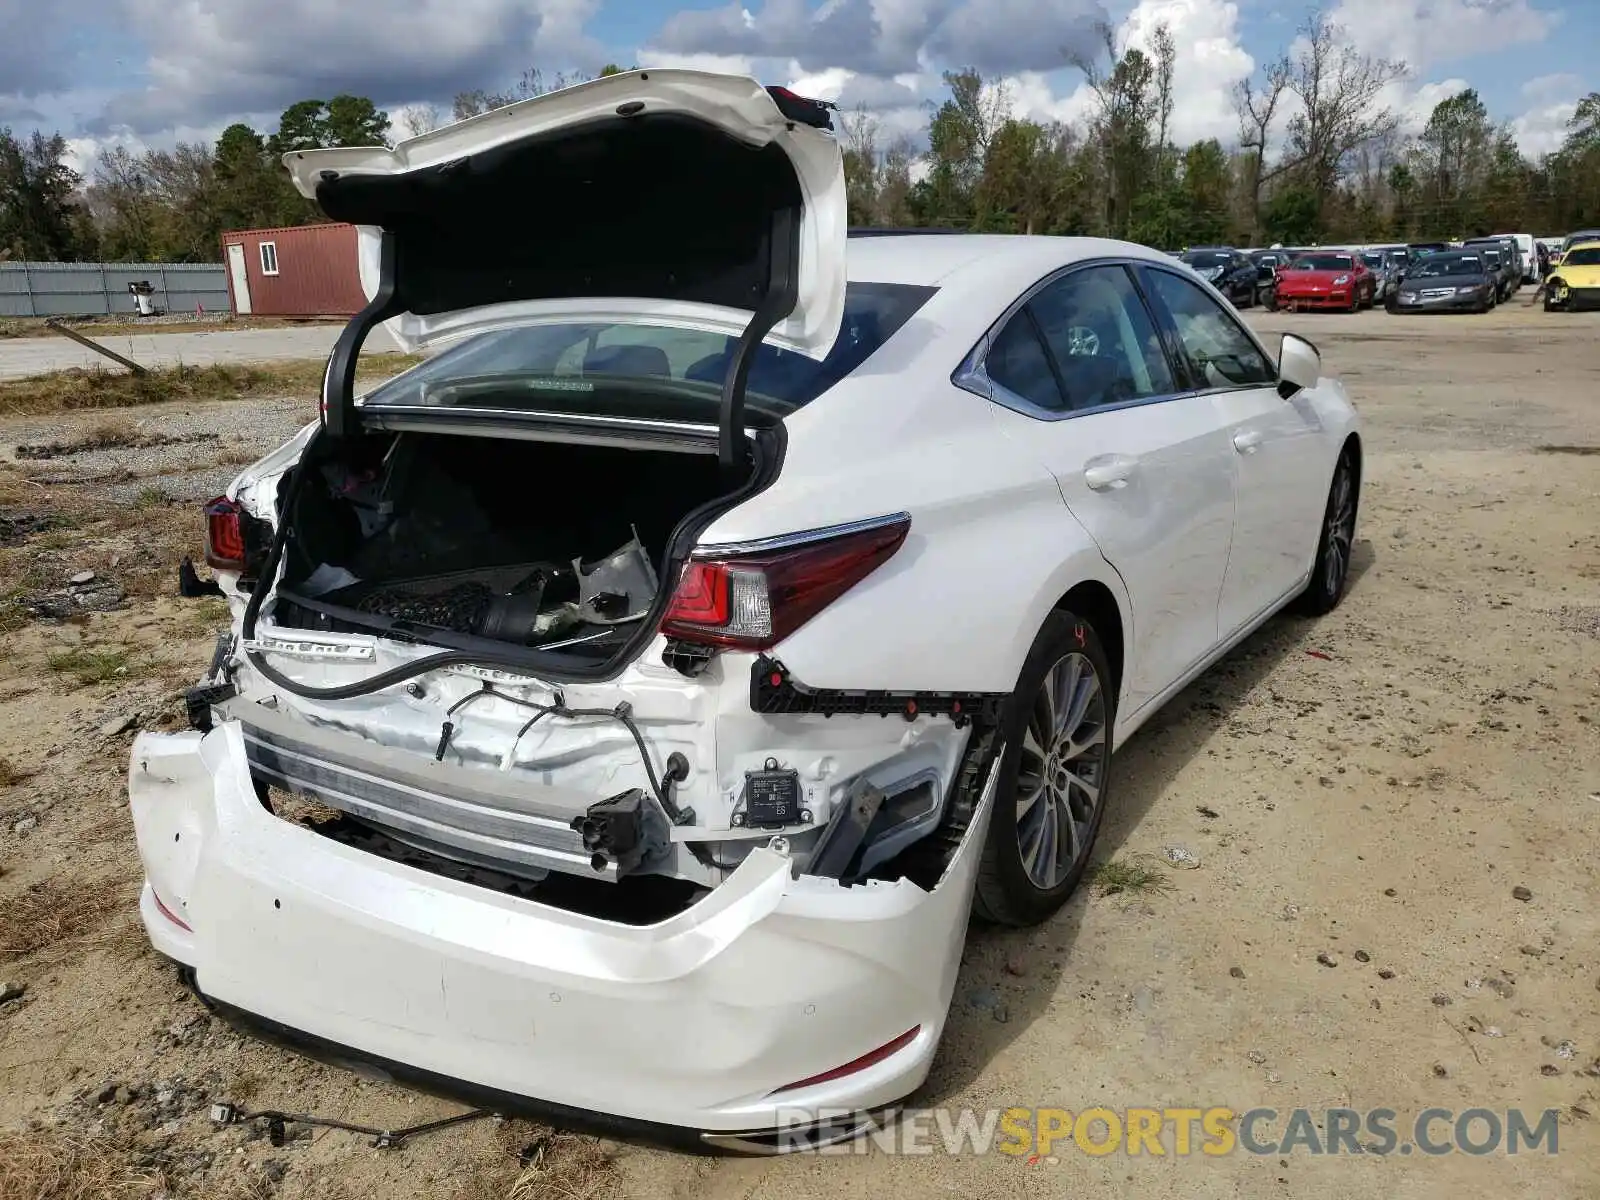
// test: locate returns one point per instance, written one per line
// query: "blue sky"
(149, 72)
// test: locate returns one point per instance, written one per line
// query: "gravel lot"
(1394, 812)
(20, 357)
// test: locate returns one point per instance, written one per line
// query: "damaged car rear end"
(516, 622)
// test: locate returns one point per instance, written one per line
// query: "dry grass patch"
(48, 1164)
(91, 388)
(1131, 876)
(53, 911)
(93, 664)
(541, 1164)
(11, 774)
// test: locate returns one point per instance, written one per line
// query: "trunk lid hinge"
(778, 301)
(339, 380)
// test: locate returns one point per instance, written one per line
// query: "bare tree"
(1340, 91)
(1166, 56)
(861, 165)
(1257, 105)
(531, 84)
(414, 120)
(1125, 101)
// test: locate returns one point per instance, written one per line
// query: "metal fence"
(41, 289)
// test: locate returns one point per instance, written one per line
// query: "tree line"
(1319, 156)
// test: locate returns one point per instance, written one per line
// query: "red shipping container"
(298, 271)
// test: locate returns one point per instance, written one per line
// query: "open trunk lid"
(669, 197)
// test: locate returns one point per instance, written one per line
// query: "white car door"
(1080, 373)
(1275, 445)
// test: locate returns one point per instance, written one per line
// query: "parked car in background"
(1499, 263)
(1325, 279)
(1228, 270)
(1528, 252)
(1575, 284)
(1419, 250)
(596, 852)
(1448, 281)
(1385, 272)
(1572, 239)
(1505, 255)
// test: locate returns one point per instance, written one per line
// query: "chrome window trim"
(788, 541)
(971, 377)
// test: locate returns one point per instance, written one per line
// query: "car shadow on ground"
(1010, 977)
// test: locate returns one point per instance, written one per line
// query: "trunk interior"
(437, 538)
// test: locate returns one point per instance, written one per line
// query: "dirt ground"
(1362, 793)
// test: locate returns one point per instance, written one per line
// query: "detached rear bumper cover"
(693, 1023)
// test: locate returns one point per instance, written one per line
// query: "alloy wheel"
(1341, 530)
(1065, 752)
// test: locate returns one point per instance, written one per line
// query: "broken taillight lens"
(752, 601)
(225, 534)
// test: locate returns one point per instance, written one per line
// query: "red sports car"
(1325, 280)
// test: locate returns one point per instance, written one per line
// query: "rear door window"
(1102, 338)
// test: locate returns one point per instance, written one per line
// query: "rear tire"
(1331, 569)
(1055, 776)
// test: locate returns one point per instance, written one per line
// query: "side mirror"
(1299, 365)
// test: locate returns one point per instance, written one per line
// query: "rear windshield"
(1583, 256)
(1372, 260)
(1322, 262)
(1208, 258)
(529, 366)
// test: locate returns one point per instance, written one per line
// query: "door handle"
(1108, 471)
(1247, 441)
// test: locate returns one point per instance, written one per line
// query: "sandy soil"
(1368, 788)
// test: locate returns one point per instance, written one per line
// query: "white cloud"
(1423, 32)
(1552, 87)
(722, 64)
(215, 57)
(1543, 127)
(1210, 61)
(891, 37)
(1416, 104)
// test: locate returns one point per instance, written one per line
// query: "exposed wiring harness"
(382, 1139)
(677, 765)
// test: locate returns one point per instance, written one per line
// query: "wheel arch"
(1096, 602)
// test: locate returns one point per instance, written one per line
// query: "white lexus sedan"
(724, 609)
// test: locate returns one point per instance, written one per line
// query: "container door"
(240, 278)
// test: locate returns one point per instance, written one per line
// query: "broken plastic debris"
(620, 587)
(1182, 857)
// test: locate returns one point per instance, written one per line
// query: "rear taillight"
(870, 1059)
(755, 599)
(225, 534)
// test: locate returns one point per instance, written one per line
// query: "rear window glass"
(1322, 262)
(524, 367)
(1208, 258)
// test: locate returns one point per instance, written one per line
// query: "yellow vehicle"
(1575, 283)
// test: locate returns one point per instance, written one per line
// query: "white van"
(1530, 255)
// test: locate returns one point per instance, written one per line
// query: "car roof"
(978, 259)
